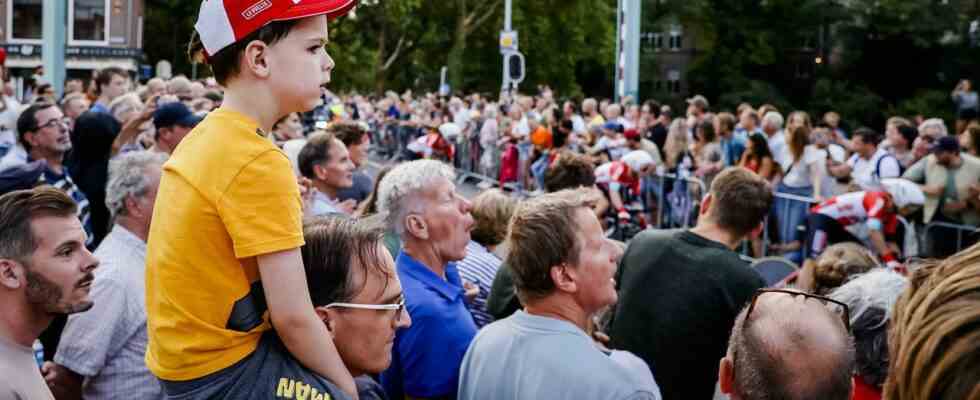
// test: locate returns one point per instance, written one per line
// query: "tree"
(469, 18)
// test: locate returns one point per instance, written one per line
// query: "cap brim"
(190, 121)
(310, 8)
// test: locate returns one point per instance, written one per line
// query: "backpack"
(876, 175)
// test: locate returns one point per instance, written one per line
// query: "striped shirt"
(107, 344)
(64, 183)
(479, 268)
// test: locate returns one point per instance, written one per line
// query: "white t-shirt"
(827, 183)
(616, 147)
(8, 122)
(868, 173)
(777, 145)
(578, 124)
(798, 173)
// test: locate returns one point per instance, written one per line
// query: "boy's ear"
(254, 58)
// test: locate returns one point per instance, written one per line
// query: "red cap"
(221, 23)
(631, 134)
(3, 57)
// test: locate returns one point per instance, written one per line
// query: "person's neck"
(54, 160)
(868, 155)
(104, 100)
(328, 190)
(560, 307)
(163, 147)
(772, 133)
(425, 254)
(253, 101)
(956, 163)
(135, 227)
(17, 322)
(711, 231)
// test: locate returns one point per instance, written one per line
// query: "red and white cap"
(221, 23)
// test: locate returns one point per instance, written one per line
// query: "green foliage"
(883, 56)
(930, 103)
(857, 105)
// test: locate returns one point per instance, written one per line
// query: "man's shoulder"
(971, 162)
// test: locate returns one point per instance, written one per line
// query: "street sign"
(508, 41)
(163, 69)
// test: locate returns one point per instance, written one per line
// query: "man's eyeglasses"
(65, 122)
(397, 307)
(835, 306)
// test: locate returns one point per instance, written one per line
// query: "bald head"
(790, 347)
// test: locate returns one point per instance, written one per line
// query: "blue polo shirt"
(426, 357)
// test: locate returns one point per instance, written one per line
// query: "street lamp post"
(513, 59)
(53, 50)
(627, 49)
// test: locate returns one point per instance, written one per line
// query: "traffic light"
(515, 66)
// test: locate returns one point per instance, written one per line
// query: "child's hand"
(306, 191)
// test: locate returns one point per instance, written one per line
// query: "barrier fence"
(960, 229)
(677, 197)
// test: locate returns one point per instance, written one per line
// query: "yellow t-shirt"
(226, 196)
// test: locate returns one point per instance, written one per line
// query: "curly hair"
(838, 264)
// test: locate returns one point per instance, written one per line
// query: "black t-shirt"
(658, 134)
(503, 296)
(679, 294)
(88, 164)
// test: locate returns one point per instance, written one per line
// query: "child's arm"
(294, 319)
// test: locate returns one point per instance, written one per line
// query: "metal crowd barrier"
(690, 217)
(782, 214)
(959, 231)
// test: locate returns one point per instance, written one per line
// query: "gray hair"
(934, 123)
(774, 118)
(871, 298)
(490, 111)
(398, 188)
(127, 177)
(124, 103)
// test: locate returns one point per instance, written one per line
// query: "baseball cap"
(699, 100)
(3, 57)
(946, 143)
(904, 192)
(176, 113)
(221, 23)
(631, 134)
(612, 126)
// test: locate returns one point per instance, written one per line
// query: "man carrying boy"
(230, 218)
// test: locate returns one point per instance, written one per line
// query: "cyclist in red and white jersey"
(613, 176)
(877, 210)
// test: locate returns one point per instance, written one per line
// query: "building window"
(674, 81)
(89, 20)
(676, 38)
(26, 20)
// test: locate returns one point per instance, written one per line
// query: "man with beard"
(45, 271)
(948, 179)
